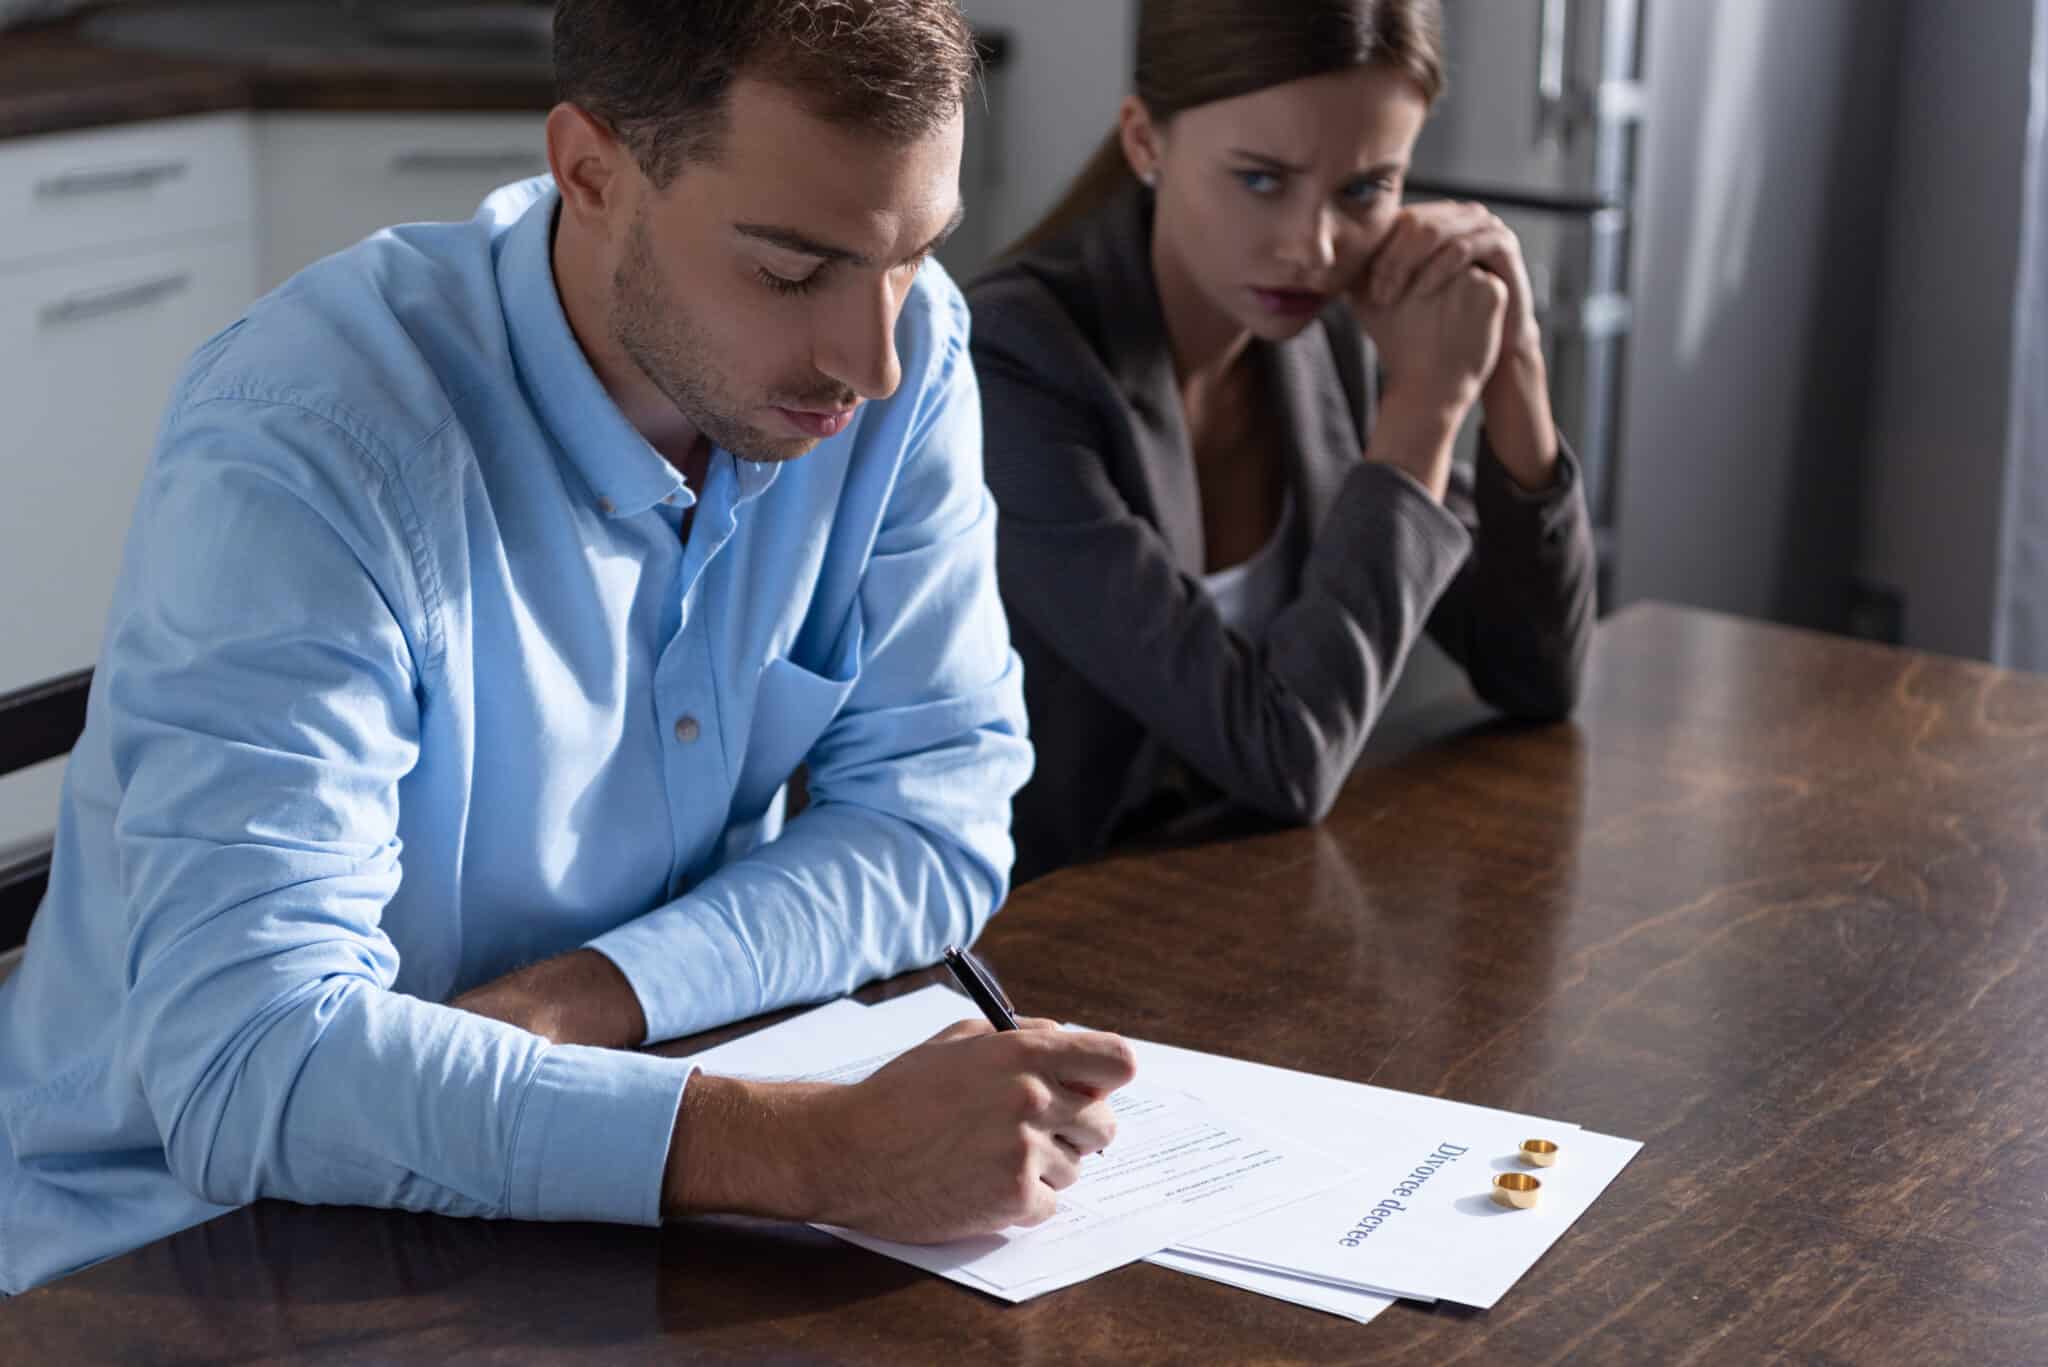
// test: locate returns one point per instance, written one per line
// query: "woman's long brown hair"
(1195, 52)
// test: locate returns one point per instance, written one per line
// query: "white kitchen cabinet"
(88, 352)
(67, 194)
(120, 251)
(326, 181)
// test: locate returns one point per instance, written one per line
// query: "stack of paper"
(1416, 1217)
(1337, 1196)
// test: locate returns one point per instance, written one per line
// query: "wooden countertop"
(1774, 903)
(52, 80)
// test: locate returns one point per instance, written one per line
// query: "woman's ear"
(1143, 141)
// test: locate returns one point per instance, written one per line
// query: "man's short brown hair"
(659, 72)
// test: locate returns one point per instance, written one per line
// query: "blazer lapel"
(1119, 258)
(1321, 439)
(1315, 395)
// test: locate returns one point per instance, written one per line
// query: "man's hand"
(575, 998)
(969, 1133)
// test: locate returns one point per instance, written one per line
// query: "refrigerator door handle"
(1552, 116)
(1604, 212)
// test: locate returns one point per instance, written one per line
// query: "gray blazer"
(1144, 705)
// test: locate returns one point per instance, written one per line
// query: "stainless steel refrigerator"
(1540, 122)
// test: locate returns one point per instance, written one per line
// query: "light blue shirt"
(410, 680)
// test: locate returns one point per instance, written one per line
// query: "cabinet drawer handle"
(76, 308)
(430, 161)
(104, 180)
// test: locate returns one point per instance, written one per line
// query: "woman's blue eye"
(1260, 182)
(1366, 191)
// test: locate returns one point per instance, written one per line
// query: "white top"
(1249, 595)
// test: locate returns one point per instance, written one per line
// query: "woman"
(1219, 536)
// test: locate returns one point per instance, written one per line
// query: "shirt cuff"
(688, 969)
(593, 1136)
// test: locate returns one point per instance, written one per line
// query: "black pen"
(979, 986)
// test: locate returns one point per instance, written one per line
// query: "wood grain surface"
(1773, 904)
(52, 80)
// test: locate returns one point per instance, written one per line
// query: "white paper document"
(1177, 1169)
(779, 1050)
(1417, 1217)
(1446, 1242)
(1330, 1194)
(1348, 1301)
(841, 1041)
(1309, 1103)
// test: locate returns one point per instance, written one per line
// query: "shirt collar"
(622, 473)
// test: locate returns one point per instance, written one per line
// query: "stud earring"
(1150, 177)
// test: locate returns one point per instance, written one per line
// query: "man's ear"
(593, 169)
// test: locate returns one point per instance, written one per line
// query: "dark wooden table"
(1774, 904)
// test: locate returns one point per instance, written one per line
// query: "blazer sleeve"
(1519, 616)
(1276, 723)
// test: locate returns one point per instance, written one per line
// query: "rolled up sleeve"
(263, 692)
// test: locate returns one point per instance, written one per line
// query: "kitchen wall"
(1070, 62)
(1761, 209)
(1936, 509)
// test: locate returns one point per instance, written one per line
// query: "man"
(531, 556)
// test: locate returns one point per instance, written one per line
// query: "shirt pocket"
(792, 707)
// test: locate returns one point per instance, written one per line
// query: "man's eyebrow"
(952, 226)
(803, 244)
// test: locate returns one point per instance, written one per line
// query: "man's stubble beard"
(675, 358)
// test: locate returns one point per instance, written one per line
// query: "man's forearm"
(743, 1147)
(575, 998)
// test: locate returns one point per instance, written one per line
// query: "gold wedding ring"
(1516, 1190)
(1539, 1153)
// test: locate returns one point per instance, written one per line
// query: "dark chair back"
(37, 723)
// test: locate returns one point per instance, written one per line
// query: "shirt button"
(687, 729)
(606, 506)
